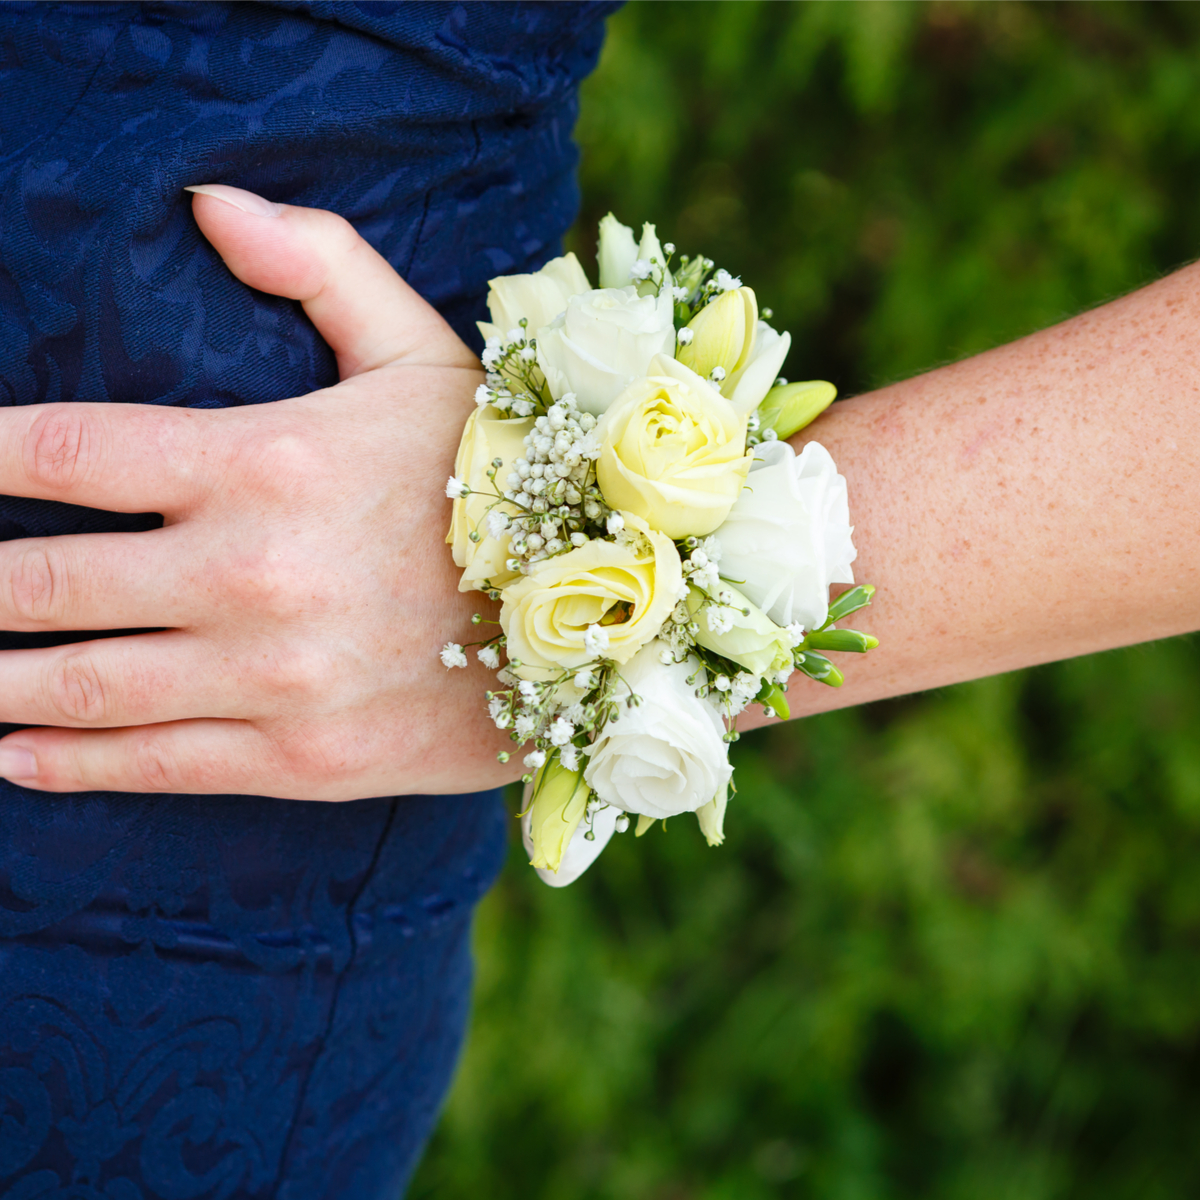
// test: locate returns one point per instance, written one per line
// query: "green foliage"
(949, 948)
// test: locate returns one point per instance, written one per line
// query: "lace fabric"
(221, 997)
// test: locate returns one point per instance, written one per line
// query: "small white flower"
(615, 523)
(489, 656)
(497, 523)
(589, 447)
(525, 726)
(640, 270)
(453, 656)
(595, 640)
(745, 687)
(795, 631)
(717, 374)
(712, 549)
(455, 488)
(726, 282)
(684, 336)
(721, 683)
(699, 559)
(483, 395)
(528, 354)
(528, 689)
(498, 708)
(561, 732)
(523, 408)
(622, 822)
(720, 619)
(506, 677)
(666, 657)
(584, 680)
(680, 293)
(535, 760)
(579, 539)
(707, 578)
(569, 757)
(516, 334)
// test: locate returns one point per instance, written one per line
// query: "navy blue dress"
(204, 998)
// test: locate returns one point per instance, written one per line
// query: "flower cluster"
(661, 554)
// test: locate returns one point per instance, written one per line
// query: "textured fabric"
(222, 997)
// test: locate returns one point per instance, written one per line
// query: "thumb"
(369, 316)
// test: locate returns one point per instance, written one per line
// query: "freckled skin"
(1025, 505)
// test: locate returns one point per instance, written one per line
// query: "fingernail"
(247, 202)
(17, 763)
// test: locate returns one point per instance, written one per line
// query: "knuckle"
(155, 768)
(273, 582)
(77, 690)
(37, 585)
(314, 758)
(62, 447)
(282, 465)
(296, 675)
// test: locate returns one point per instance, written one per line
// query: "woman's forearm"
(1038, 501)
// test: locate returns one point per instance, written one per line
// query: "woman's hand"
(301, 573)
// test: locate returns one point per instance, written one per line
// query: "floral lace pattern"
(232, 997)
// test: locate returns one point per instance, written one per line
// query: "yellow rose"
(674, 451)
(722, 334)
(625, 589)
(488, 435)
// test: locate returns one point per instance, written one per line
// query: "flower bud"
(789, 408)
(722, 335)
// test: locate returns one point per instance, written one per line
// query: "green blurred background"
(951, 948)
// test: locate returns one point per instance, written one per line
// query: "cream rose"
(665, 756)
(674, 451)
(602, 342)
(488, 435)
(626, 589)
(538, 297)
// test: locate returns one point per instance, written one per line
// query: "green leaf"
(772, 696)
(789, 408)
(818, 667)
(849, 602)
(841, 639)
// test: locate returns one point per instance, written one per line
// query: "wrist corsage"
(661, 554)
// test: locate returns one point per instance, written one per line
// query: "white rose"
(665, 756)
(603, 342)
(787, 537)
(539, 297)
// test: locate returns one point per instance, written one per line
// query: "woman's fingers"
(96, 581)
(360, 306)
(134, 680)
(119, 457)
(197, 757)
